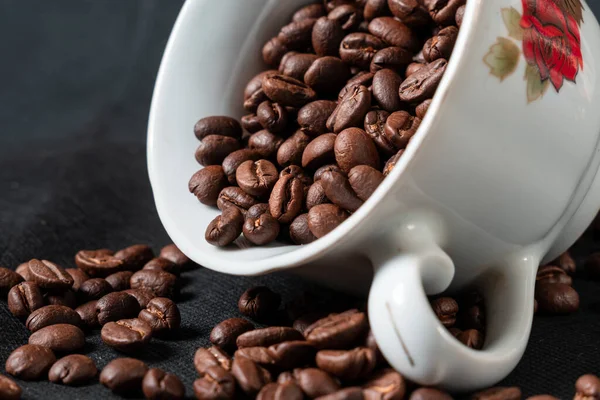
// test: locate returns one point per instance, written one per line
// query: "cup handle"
(410, 335)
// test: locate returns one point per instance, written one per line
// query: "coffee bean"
(218, 125)
(286, 199)
(259, 302)
(251, 103)
(266, 337)
(375, 8)
(587, 387)
(429, 394)
(363, 180)
(552, 274)
(45, 273)
(556, 298)
(162, 315)
(458, 17)
(8, 279)
(319, 151)
(94, 288)
(315, 382)
(410, 12)
(265, 143)
(226, 332)
(592, 266)
(385, 89)
(354, 147)
(160, 283)
(310, 11)
(257, 178)
(250, 376)
(272, 116)
(123, 375)
(324, 218)
(73, 370)
(351, 110)
(119, 280)
(347, 15)
(255, 83)
(287, 91)
(30, 362)
(225, 228)
(391, 163)
(98, 262)
(60, 338)
(347, 364)
(498, 393)
(412, 68)
(234, 197)
(393, 58)
(158, 384)
(211, 357)
(23, 270)
(443, 12)
(273, 51)
(24, 298)
(215, 384)
(422, 108)
(214, 148)
(295, 65)
(135, 257)
(338, 190)
(349, 393)
(394, 32)
(362, 78)
(422, 84)
(78, 277)
(261, 230)
(291, 354)
(337, 330)
(207, 183)
(142, 296)
(290, 151)
(440, 45)
(88, 314)
(445, 308)
(297, 34)
(326, 37)
(374, 127)
(172, 253)
(51, 315)
(60, 298)
(358, 49)
(400, 127)
(126, 335)
(566, 263)
(117, 305)
(162, 264)
(315, 196)
(299, 232)
(276, 391)
(312, 118)
(327, 75)
(471, 338)
(326, 168)
(9, 390)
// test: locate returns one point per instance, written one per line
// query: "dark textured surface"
(76, 80)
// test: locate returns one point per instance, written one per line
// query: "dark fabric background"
(76, 82)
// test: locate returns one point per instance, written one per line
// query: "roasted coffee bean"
(445, 308)
(45, 273)
(52, 315)
(235, 159)
(160, 283)
(319, 151)
(265, 143)
(291, 354)
(410, 12)
(119, 280)
(142, 296)
(375, 8)
(592, 266)
(347, 15)
(215, 384)
(552, 274)
(73, 370)
(207, 183)
(327, 75)
(458, 17)
(276, 391)
(337, 330)
(162, 315)
(223, 230)
(285, 377)
(338, 190)
(331, 4)
(98, 262)
(273, 51)
(440, 45)
(312, 118)
(250, 376)
(422, 108)
(315, 196)
(587, 387)
(349, 393)
(123, 375)
(393, 58)
(30, 362)
(172, 253)
(362, 78)
(257, 178)
(226, 332)
(126, 335)
(288, 91)
(251, 103)
(234, 197)
(255, 83)
(211, 357)
(326, 168)
(412, 68)
(566, 263)
(266, 337)
(24, 298)
(218, 125)
(358, 49)
(351, 110)
(286, 199)
(422, 84)
(371, 343)
(391, 163)
(60, 338)
(261, 230)
(214, 148)
(347, 364)
(117, 305)
(78, 277)
(60, 298)
(272, 116)
(471, 338)
(291, 150)
(88, 314)
(295, 65)
(23, 270)
(399, 128)
(135, 257)
(297, 172)
(315, 382)
(556, 298)
(158, 385)
(297, 34)
(443, 12)
(429, 394)
(324, 218)
(394, 32)
(310, 11)
(299, 232)
(257, 210)
(363, 180)
(354, 147)
(374, 127)
(326, 37)
(498, 393)
(385, 89)
(259, 302)
(8, 279)
(9, 390)
(94, 289)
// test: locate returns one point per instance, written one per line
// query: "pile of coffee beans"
(350, 83)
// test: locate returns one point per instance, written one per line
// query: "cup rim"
(302, 254)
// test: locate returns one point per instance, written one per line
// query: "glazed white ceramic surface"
(488, 187)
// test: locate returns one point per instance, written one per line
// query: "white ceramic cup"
(500, 177)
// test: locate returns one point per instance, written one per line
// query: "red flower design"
(551, 41)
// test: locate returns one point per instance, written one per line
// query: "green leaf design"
(535, 86)
(502, 58)
(512, 18)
